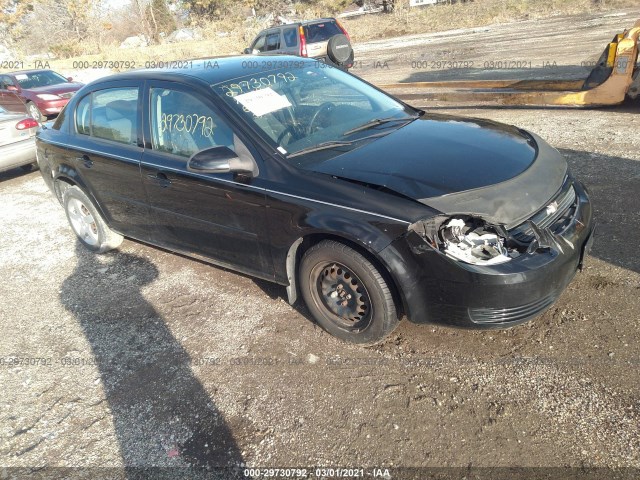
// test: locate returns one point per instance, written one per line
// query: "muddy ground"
(144, 358)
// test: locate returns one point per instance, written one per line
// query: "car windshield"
(43, 78)
(312, 108)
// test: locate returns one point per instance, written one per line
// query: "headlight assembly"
(48, 97)
(467, 239)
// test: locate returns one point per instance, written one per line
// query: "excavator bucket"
(615, 76)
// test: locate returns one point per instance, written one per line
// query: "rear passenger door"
(290, 40)
(107, 152)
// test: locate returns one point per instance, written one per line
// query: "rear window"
(321, 32)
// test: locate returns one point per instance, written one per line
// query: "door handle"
(160, 178)
(85, 160)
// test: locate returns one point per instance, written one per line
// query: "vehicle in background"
(324, 39)
(43, 92)
(17, 140)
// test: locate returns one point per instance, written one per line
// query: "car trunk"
(318, 35)
(8, 131)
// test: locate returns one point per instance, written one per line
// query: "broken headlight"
(467, 239)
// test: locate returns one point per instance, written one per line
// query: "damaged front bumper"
(437, 288)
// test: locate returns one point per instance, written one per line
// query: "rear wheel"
(347, 294)
(87, 223)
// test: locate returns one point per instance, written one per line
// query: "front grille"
(67, 95)
(556, 215)
(505, 316)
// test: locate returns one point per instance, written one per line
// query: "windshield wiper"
(377, 121)
(334, 144)
(320, 146)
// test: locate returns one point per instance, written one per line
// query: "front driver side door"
(9, 99)
(221, 217)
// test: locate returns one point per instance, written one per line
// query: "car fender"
(366, 234)
(66, 173)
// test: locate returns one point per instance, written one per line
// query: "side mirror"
(70, 79)
(247, 51)
(220, 160)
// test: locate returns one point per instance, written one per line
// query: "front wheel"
(87, 223)
(347, 294)
(35, 112)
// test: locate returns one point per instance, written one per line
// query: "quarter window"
(182, 124)
(83, 116)
(259, 44)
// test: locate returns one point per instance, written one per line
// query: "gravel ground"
(143, 358)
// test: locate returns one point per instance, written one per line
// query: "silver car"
(17, 140)
(323, 39)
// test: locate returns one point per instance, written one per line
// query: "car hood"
(56, 89)
(458, 165)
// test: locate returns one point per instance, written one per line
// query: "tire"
(34, 112)
(346, 294)
(87, 223)
(339, 49)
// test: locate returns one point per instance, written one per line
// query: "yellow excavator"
(615, 76)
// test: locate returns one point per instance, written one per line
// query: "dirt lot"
(151, 359)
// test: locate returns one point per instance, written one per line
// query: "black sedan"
(304, 175)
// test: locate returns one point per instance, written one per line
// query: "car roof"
(295, 24)
(317, 20)
(211, 70)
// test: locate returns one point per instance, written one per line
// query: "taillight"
(26, 124)
(343, 30)
(303, 43)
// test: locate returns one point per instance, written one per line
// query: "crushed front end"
(464, 270)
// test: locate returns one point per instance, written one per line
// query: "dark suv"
(323, 39)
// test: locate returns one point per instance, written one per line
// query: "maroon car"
(44, 92)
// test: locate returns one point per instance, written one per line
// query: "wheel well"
(313, 239)
(60, 185)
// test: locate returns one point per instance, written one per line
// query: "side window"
(290, 36)
(82, 116)
(6, 81)
(273, 41)
(114, 114)
(259, 43)
(182, 124)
